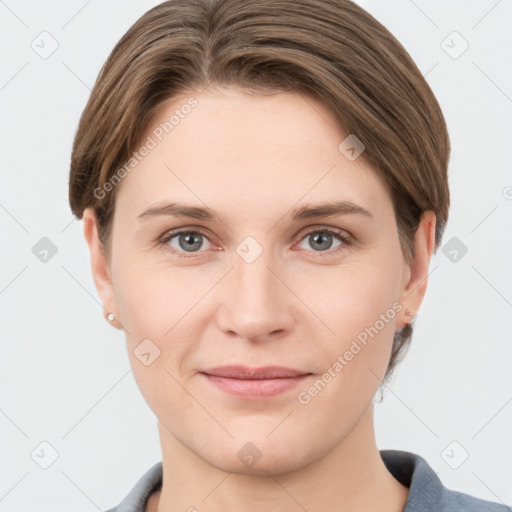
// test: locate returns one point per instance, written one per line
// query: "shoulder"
(426, 491)
(458, 501)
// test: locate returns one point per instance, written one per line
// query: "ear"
(99, 265)
(416, 272)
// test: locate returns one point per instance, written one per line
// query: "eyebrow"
(301, 213)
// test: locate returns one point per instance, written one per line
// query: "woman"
(263, 184)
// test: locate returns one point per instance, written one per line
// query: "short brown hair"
(332, 50)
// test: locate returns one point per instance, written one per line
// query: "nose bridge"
(256, 302)
(254, 279)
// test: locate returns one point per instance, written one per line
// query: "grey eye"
(320, 240)
(188, 241)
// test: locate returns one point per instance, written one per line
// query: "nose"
(256, 304)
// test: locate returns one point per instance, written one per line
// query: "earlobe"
(99, 266)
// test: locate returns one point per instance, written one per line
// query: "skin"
(253, 158)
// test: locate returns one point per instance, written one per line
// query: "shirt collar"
(426, 492)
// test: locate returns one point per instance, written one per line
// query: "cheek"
(159, 311)
(357, 296)
(354, 361)
(153, 299)
(361, 308)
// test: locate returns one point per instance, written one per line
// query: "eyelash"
(169, 235)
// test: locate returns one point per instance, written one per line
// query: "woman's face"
(255, 280)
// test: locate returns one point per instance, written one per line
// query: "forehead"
(247, 147)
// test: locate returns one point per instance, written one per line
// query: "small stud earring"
(111, 317)
(408, 313)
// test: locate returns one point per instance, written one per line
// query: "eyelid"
(342, 233)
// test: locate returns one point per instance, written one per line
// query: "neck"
(349, 477)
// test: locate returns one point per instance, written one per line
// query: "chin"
(258, 454)
(270, 463)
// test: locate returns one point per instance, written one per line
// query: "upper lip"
(245, 372)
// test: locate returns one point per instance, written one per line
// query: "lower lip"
(255, 388)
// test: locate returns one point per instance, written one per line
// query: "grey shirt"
(426, 492)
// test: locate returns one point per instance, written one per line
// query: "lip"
(255, 383)
(246, 372)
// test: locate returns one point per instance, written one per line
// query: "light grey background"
(65, 375)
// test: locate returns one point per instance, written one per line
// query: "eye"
(321, 240)
(185, 241)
